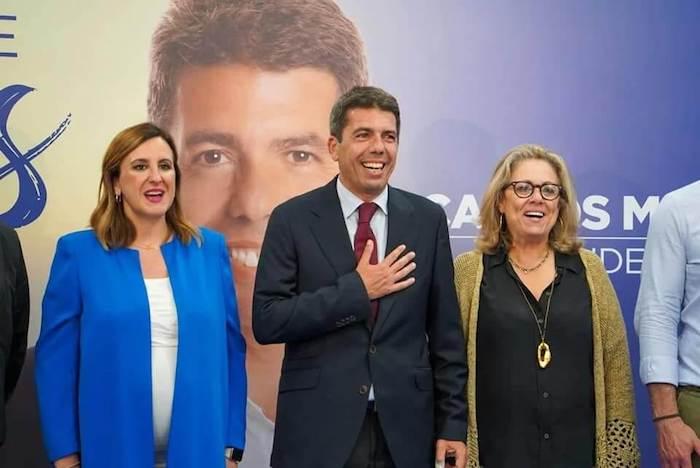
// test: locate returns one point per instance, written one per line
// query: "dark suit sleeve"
(446, 341)
(281, 314)
(20, 320)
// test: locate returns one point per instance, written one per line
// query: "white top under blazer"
(163, 360)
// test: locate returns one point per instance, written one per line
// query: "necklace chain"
(528, 270)
(150, 246)
(542, 329)
(146, 247)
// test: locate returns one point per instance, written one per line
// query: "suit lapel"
(331, 234)
(400, 232)
(330, 230)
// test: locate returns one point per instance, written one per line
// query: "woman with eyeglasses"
(549, 373)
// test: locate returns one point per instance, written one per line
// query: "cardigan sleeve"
(620, 403)
(57, 356)
(468, 271)
(620, 426)
(465, 266)
(236, 348)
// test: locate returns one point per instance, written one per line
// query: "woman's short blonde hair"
(494, 231)
(110, 223)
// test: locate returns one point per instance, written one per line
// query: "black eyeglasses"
(525, 189)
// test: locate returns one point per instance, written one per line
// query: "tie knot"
(366, 211)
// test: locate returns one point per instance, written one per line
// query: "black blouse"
(527, 416)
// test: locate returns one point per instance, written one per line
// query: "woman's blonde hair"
(110, 223)
(494, 232)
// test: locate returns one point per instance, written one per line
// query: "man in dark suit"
(356, 279)
(14, 316)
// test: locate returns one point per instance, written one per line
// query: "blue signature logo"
(31, 196)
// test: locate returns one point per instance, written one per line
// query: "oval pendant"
(543, 355)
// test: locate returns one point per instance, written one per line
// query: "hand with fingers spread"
(389, 275)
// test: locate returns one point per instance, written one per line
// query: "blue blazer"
(93, 357)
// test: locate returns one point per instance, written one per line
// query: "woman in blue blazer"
(140, 361)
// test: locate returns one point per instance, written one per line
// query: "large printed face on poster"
(249, 139)
(246, 91)
(609, 87)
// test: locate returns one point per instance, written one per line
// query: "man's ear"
(333, 147)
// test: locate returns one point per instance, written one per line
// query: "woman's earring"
(118, 197)
(500, 223)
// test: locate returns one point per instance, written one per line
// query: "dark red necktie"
(362, 235)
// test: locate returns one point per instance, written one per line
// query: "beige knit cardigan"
(616, 435)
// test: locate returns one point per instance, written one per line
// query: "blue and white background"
(611, 86)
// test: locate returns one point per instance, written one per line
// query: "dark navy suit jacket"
(309, 296)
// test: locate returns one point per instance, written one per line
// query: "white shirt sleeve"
(660, 298)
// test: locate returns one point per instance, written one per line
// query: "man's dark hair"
(363, 97)
(273, 35)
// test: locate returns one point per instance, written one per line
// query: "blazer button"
(372, 349)
(364, 389)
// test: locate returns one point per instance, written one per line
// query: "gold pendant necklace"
(544, 354)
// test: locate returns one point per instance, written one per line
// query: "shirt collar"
(499, 257)
(349, 202)
(571, 262)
